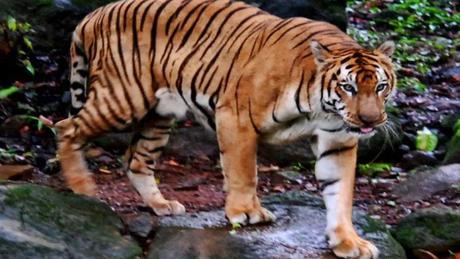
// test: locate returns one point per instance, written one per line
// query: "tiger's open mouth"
(361, 131)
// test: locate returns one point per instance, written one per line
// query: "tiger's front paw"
(347, 244)
(243, 210)
(260, 215)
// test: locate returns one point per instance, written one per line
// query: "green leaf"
(373, 168)
(39, 125)
(5, 93)
(236, 226)
(426, 140)
(12, 24)
(28, 42)
(29, 66)
(457, 125)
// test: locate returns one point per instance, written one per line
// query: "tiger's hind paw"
(83, 184)
(168, 208)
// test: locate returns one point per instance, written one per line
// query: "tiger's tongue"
(366, 130)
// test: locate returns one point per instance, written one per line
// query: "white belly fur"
(170, 104)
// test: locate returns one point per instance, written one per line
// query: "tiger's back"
(196, 49)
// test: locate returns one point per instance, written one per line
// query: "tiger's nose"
(369, 119)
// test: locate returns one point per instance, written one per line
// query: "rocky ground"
(407, 181)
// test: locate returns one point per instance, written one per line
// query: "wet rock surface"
(298, 233)
(426, 181)
(39, 222)
(434, 229)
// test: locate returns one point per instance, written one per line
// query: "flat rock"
(422, 184)
(298, 233)
(39, 222)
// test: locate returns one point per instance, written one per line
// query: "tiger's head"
(355, 85)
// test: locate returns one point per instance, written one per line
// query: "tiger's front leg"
(335, 171)
(238, 153)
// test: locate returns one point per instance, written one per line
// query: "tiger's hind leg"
(73, 166)
(148, 143)
(97, 116)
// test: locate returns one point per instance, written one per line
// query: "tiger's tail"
(78, 74)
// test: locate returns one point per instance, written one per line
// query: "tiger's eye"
(348, 88)
(381, 87)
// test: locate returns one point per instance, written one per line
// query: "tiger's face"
(356, 85)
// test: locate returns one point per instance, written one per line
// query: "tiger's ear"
(387, 48)
(320, 52)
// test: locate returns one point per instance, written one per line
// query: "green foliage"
(16, 34)
(298, 167)
(411, 82)
(373, 169)
(457, 128)
(415, 26)
(6, 92)
(35, 120)
(426, 140)
(421, 15)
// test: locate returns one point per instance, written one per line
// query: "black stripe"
(210, 21)
(208, 84)
(252, 120)
(125, 16)
(191, 29)
(335, 151)
(333, 130)
(297, 93)
(120, 46)
(323, 184)
(117, 70)
(209, 119)
(288, 30)
(156, 150)
(175, 14)
(144, 15)
(215, 57)
(276, 29)
(221, 26)
(311, 36)
(141, 136)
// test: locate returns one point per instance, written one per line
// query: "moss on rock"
(58, 223)
(434, 229)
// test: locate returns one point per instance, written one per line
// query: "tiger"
(246, 75)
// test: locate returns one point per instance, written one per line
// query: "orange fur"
(244, 73)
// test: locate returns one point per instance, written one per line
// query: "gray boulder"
(39, 222)
(425, 181)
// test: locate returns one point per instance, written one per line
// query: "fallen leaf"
(94, 152)
(279, 188)
(424, 254)
(172, 162)
(266, 169)
(105, 171)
